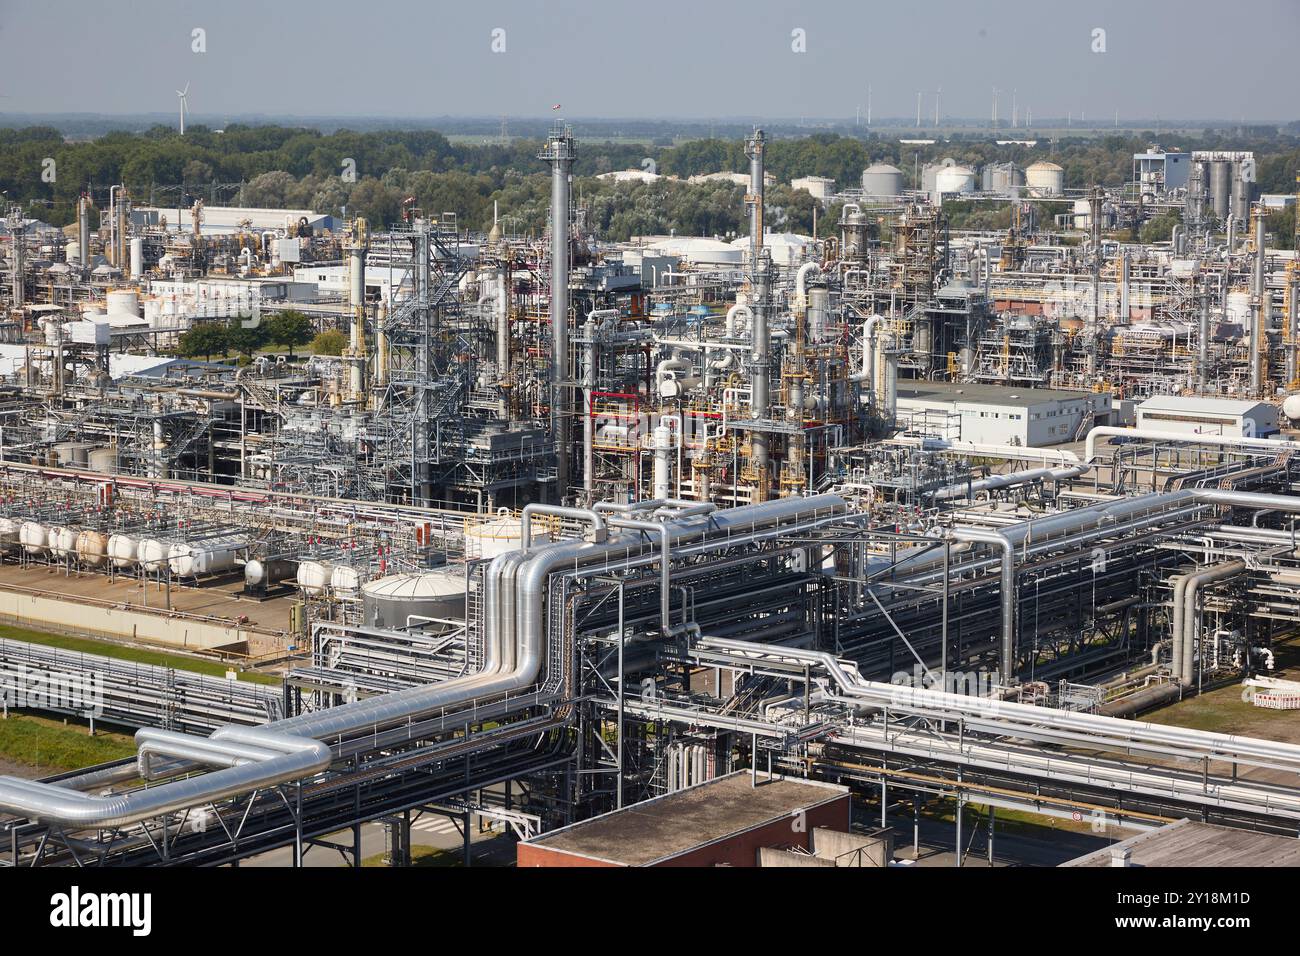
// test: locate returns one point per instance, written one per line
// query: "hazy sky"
(1184, 59)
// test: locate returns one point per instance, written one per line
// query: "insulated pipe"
(1102, 431)
(801, 283)
(665, 565)
(1007, 655)
(735, 312)
(597, 521)
(869, 350)
(1191, 620)
(1176, 625)
(521, 627)
(995, 482)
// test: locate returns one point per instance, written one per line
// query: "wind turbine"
(184, 105)
(996, 91)
(937, 91)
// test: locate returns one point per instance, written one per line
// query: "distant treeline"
(304, 168)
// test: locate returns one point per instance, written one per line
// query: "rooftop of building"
(670, 825)
(1188, 843)
(1198, 403)
(983, 394)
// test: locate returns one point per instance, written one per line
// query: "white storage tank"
(389, 602)
(259, 572)
(122, 301)
(8, 534)
(33, 537)
(103, 459)
(63, 541)
(1045, 179)
(882, 179)
(313, 577)
(1291, 407)
(123, 550)
(954, 180)
(153, 553)
(192, 559)
(498, 534)
(345, 581)
(92, 548)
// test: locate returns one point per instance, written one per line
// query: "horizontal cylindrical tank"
(34, 537)
(1291, 407)
(345, 581)
(63, 541)
(389, 602)
(92, 548)
(192, 559)
(8, 534)
(153, 554)
(313, 577)
(259, 572)
(123, 550)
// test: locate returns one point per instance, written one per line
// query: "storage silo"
(1045, 179)
(882, 179)
(1221, 187)
(954, 180)
(1241, 194)
(498, 534)
(1003, 179)
(391, 602)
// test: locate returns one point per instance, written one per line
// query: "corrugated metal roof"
(1192, 404)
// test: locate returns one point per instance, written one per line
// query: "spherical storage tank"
(190, 559)
(882, 179)
(1291, 406)
(1045, 179)
(389, 602)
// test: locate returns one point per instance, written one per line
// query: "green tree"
(206, 339)
(244, 337)
(289, 328)
(329, 342)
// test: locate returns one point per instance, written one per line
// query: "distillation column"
(1258, 313)
(760, 347)
(559, 152)
(357, 243)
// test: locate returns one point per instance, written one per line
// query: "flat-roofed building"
(1234, 417)
(998, 414)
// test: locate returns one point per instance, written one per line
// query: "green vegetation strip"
(105, 649)
(40, 742)
(422, 856)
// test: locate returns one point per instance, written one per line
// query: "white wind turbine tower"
(184, 105)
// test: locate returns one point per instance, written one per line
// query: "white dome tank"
(500, 533)
(389, 602)
(123, 550)
(191, 559)
(1045, 179)
(954, 179)
(313, 577)
(92, 548)
(33, 537)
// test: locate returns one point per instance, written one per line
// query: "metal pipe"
(1103, 431)
(1191, 620)
(1007, 655)
(597, 521)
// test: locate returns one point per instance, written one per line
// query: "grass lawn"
(108, 649)
(46, 743)
(421, 856)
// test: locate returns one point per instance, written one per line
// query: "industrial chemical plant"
(904, 527)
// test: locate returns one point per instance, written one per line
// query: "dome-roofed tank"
(498, 534)
(391, 601)
(882, 179)
(1045, 179)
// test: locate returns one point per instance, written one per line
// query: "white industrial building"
(999, 415)
(227, 220)
(819, 187)
(1208, 416)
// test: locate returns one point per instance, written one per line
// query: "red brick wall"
(738, 850)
